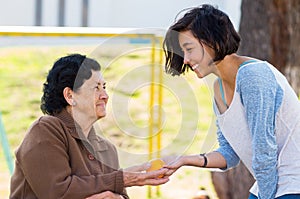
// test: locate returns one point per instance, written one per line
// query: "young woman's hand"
(105, 195)
(173, 163)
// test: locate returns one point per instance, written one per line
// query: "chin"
(200, 76)
(101, 116)
(100, 112)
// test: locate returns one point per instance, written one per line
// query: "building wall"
(108, 13)
(16, 12)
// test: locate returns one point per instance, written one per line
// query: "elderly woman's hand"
(105, 195)
(133, 178)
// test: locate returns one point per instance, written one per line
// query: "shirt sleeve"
(261, 96)
(226, 150)
(44, 161)
(124, 191)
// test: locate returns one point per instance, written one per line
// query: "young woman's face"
(197, 55)
(91, 98)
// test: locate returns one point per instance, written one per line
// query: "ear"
(68, 95)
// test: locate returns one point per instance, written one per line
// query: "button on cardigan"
(56, 161)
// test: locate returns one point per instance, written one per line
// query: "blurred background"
(22, 57)
(270, 30)
(104, 13)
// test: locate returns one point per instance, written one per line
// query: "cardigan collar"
(76, 131)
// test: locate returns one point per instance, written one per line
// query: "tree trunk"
(234, 183)
(270, 30)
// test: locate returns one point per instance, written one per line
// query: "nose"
(104, 95)
(186, 59)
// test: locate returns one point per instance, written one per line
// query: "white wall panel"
(17, 12)
(109, 13)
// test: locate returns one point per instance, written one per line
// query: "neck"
(82, 120)
(228, 68)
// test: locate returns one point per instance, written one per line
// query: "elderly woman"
(61, 156)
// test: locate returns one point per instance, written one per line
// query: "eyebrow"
(186, 43)
(104, 83)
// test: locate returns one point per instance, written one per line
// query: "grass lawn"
(187, 119)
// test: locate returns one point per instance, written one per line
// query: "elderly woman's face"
(91, 98)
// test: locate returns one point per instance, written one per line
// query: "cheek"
(210, 55)
(207, 61)
(96, 97)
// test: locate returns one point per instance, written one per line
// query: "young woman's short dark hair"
(69, 71)
(210, 26)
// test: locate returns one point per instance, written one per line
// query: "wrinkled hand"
(105, 195)
(142, 178)
(173, 163)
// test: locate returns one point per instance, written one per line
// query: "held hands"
(173, 163)
(136, 176)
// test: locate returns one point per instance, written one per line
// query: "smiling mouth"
(102, 104)
(195, 66)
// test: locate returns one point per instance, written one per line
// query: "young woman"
(61, 155)
(258, 113)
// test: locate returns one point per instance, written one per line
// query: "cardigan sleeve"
(45, 163)
(123, 192)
